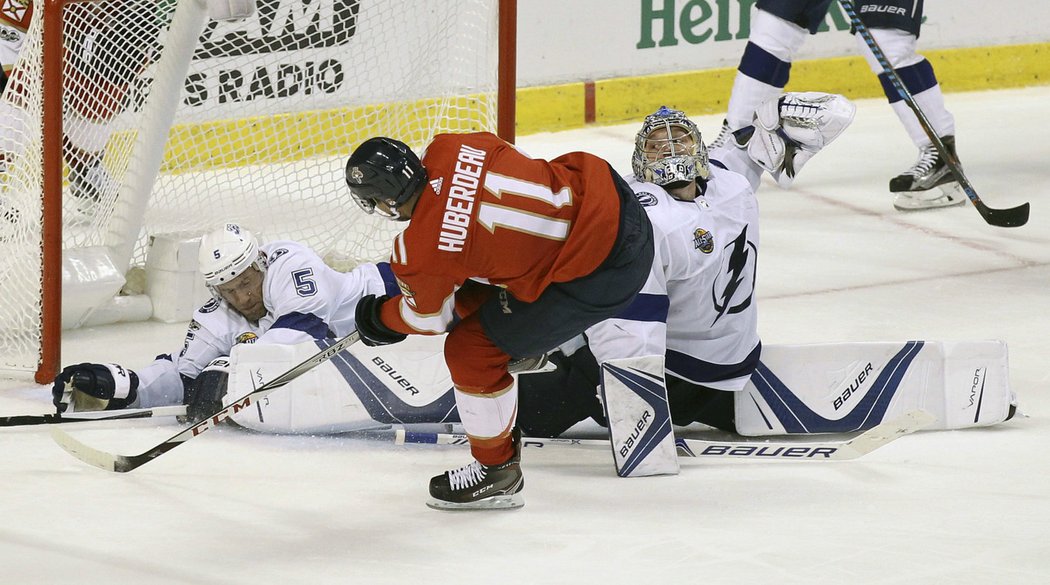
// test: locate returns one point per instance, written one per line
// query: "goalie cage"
(196, 121)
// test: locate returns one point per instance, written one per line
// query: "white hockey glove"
(791, 128)
(230, 9)
(94, 387)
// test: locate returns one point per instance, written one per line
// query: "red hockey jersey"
(496, 216)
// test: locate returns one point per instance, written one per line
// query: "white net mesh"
(258, 129)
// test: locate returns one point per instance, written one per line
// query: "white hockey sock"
(931, 102)
(779, 40)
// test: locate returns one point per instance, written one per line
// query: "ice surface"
(838, 264)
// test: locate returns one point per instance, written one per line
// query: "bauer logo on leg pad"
(635, 401)
(839, 388)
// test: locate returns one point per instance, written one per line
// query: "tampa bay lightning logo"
(277, 254)
(734, 287)
(645, 199)
(211, 306)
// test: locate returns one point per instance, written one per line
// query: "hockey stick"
(87, 416)
(1012, 217)
(858, 446)
(125, 463)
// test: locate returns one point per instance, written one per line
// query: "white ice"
(837, 264)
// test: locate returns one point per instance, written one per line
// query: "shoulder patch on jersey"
(646, 199)
(703, 240)
(194, 325)
(186, 343)
(277, 254)
(247, 337)
(210, 307)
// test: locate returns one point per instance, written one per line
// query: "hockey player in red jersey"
(510, 255)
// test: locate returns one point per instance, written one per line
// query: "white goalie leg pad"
(634, 396)
(230, 9)
(318, 402)
(831, 388)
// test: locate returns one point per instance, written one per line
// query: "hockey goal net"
(173, 121)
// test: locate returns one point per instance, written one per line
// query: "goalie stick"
(858, 446)
(125, 463)
(87, 416)
(1012, 217)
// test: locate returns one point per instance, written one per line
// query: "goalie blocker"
(634, 398)
(836, 388)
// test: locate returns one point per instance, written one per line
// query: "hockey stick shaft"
(99, 415)
(1012, 217)
(125, 463)
(858, 446)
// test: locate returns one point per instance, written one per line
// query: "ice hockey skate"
(481, 487)
(529, 364)
(723, 135)
(929, 183)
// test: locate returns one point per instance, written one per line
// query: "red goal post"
(124, 119)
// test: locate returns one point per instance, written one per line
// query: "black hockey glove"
(371, 328)
(94, 387)
(203, 396)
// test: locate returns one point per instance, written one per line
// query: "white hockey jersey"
(698, 307)
(305, 299)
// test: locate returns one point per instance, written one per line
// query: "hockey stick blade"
(884, 433)
(1011, 217)
(125, 463)
(858, 446)
(89, 416)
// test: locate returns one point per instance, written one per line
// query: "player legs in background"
(895, 26)
(778, 30)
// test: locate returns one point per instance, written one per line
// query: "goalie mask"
(668, 149)
(384, 170)
(226, 253)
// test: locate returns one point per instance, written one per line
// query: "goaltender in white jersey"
(688, 349)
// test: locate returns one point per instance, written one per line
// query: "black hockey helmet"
(384, 170)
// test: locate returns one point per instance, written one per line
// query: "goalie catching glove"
(369, 324)
(791, 128)
(94, 387)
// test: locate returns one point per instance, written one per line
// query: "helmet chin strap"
(678, 190)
